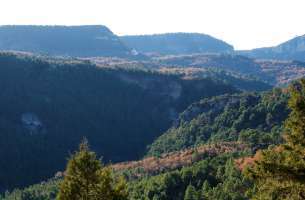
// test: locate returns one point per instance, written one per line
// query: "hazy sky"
(243, 23)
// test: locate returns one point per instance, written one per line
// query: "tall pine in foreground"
(87, 179)
(190, 193)
(279, 173)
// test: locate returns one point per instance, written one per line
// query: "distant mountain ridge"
(176, 43)
(293, 49)
(78, 41)
(99, 41)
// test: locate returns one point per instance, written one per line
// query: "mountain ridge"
(84, 41)
(176, 43)
(293, 49)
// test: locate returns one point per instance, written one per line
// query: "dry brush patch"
(248, 161)
(174, 160)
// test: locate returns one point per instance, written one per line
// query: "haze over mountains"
(173, 49)
(97, 40)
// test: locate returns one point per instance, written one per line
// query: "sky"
(245, 24)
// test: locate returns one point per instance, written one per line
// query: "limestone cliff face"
(293, 49)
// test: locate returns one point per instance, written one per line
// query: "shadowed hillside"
(49, 105)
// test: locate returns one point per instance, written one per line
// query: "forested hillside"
(207, 173)
(239, 81)
(278, 172)
(282, 71)
(182, 163)
(247, 117)
(240, 72)
(49, 105)
(271, 71)
(241, 64)
(190, 120)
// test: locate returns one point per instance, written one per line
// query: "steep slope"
(81, 41)
(47, 106)
(246, 117)
(293, 49)
(176, 43)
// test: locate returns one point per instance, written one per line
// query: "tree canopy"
(87, 179)
(279, 173)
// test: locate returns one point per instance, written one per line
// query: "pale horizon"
(244, 24)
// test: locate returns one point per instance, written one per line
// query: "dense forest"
(47, 106)
(229, 175)
(178, 116)
(248, 117)
(212, 177)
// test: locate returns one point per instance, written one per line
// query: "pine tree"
(205, 190)
(190, 193)
(87, 179)
(279, 173)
